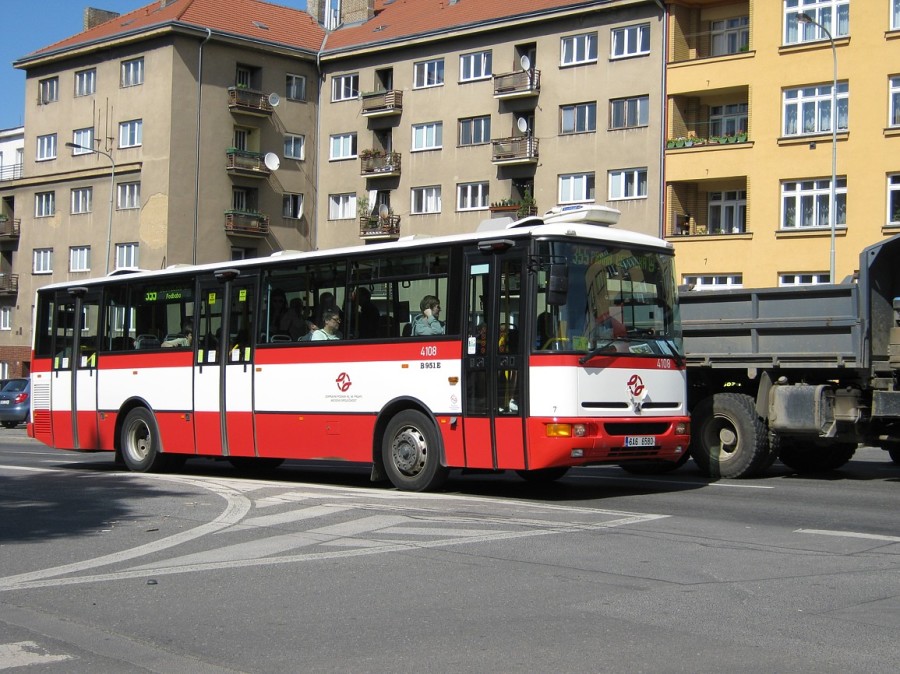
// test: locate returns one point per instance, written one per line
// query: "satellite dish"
(525, 62)
(383, 211)
(522, 124)
(274, 99)
(271, 161)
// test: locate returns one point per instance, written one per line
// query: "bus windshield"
(620, 299)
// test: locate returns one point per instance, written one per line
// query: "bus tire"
(411, 451)
(812, 459)
(139, 440)
(651, 467)
(728, 439)
(543, 475)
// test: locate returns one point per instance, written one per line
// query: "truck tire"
(812, 459)
(728, 439)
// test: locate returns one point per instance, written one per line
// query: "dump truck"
(804, 374)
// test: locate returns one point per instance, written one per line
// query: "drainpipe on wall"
(197, 164)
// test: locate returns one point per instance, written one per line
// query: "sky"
(30, 25)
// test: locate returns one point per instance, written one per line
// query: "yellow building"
(748, 163)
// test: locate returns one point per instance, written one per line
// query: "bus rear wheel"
(411, 452)
(139, 442)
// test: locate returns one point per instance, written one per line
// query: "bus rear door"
(492, 358)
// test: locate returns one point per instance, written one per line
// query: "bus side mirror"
(558, 284)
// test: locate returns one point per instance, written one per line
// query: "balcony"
(9, 284)
(246, 223)
(382, 103)
(374, 227)
(519, 84)
(514, 150)
(696, 141)
(9, 229)
(378, 164)
(241, 162)
(249, 101)
(11, 172)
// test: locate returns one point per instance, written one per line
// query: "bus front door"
(492, 358)
(223, 371)
(73, 381)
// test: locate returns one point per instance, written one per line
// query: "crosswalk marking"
(26, 653)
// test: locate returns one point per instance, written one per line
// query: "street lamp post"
(832, 209)
(112, 189)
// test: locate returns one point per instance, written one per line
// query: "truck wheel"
(728, 439)
(816, 459)
(411, 452)
(654, 467)
(139, 442)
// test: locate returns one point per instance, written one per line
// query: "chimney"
(94, 17)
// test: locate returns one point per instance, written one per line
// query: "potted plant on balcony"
(527, 205)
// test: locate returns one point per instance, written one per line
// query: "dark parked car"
(15, 402)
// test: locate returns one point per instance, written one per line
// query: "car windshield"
(15, 385)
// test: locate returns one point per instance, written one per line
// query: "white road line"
(675, 482)
(293, 515)
(849, 534)
(26, 653)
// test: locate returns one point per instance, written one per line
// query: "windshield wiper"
(669, 342)
(596, 351)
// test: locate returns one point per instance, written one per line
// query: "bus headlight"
(682, 428)
(567, 430)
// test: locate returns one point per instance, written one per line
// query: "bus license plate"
(640, 441)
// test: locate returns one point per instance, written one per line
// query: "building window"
(428, 74)
(895, 100)
(578, 118)
(630, 41)
(714, 281)
(428, 136)
(475, 66)
(821, 11)
(131, 133)
(805, 205)
(126, 255)
(80, 258)
(576, 49)
(343, 146)
(295, 87)
(344, 87)
(48, 90)
(5, 324)
(727, 212)
(808, 109)
(728, 120)
(44, 204)
(471, 196)
(43, 261)
(240, 199)
(628, 113)
(895, 15)
(475, 130)
(628, 184)
(576, 188)
(294, 146)
(803, 279)
(128, 195)
(243, 76)
(893, 206)
(81, 200)
(425, 200)
(85, 82)
(85, 139)
(730, 36)
(292, 206)
(341, 206)
(46, 147)
(133, 72)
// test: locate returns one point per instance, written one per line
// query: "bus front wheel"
(411, 452)
(139, 442)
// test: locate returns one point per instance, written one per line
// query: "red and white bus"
(548, 343)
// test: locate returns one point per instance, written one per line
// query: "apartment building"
(437, 115)
(752, 115)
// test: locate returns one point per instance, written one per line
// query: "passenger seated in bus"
(184, 338)
(366, 313)
(292, 322)
(428, 322)
(327, 303)
(330, 327)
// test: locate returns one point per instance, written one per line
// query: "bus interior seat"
(146, 342)
(280, 338)
(407, 330)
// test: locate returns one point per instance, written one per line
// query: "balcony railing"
(9, 229)
(246, 163)
(9, 284)
(695, 229)
(375, 227)
(514, 150)
(696, 141)
(379, 164)
(246, 223)
(249, 101)
(11, 172)
(382, 103)
(518, 84)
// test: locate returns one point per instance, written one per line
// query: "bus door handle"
(476, 363)
(507, 362)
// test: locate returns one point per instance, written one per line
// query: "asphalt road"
(314, 569)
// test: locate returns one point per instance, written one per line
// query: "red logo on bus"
(636, 386)
(343, 382)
